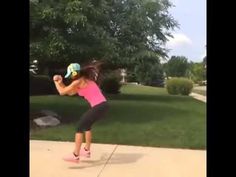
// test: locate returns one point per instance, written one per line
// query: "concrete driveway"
(112, 160)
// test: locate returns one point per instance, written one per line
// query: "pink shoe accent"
(71, 158)
(84, 153)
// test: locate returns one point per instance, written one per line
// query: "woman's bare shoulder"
(82, 82)
(75, 82)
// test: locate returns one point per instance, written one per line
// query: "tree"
(189, 72)
(204, 63)
(177, 66)
(122, 32)
(197, 71)
(64, 31)
(149, 73)
(141, 28)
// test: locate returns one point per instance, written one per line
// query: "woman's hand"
(57, 78)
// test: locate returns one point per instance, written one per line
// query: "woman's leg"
(75, 156)
(86, 121)
(78, 142)
(88, 139)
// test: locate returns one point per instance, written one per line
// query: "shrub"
(150, 74)
(177, 86)
(41, 85)
(111, 83)
(201, 83)
(131, 77)
(158, 83)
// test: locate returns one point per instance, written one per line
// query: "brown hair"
(90, 71)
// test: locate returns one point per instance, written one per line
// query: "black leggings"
(92, 115)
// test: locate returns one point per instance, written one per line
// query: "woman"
(84, 84)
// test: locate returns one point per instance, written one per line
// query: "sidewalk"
(198, 97)
(115, 161)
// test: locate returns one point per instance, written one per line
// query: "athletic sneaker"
(71, 158)
(84, 152)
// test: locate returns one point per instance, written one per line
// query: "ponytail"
(92, 71)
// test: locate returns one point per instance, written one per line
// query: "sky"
(190, 39)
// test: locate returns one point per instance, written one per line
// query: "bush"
(158, 83)
(41, 85)
(201, 83)
(150, 74)
(111, 83)
(131, 77)
(177, 86)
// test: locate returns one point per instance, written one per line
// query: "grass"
(141, 115)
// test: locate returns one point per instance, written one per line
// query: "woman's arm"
(65, 90)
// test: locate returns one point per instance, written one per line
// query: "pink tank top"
(92, 93)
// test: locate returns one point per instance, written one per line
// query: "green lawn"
(140, 115)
